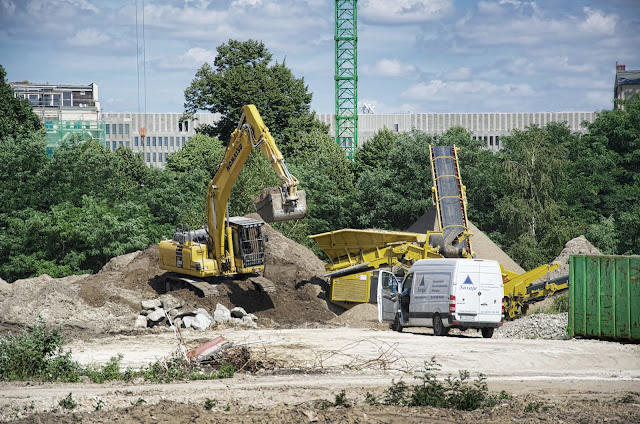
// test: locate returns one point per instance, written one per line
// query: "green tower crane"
(346, 76)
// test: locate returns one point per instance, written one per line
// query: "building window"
(106, 129)
(113, 129)
(171, 142)
(128, 144)
(395, 128)
(180, 126)
(182, 141)
(120, 126)
(154, 141)
(135, 141)
(148, 157)
(165, 156)
(186, 125)
(497, 141)
(154, 156)
(148, 141)
(126, 129)
(490, 140)
(113, 146)
(121, 143)
(166, 141)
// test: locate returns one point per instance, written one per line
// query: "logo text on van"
(468, 284)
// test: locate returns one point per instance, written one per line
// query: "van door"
(439, 288)
(388, 303)
(491, 293)
(419, 313)
(467, 291)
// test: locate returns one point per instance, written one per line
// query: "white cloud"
(88, 37)
(442, 90)
(389, 68)
(404, 11)
(598, 23)
(194, 58)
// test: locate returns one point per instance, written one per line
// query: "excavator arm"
(274, 204)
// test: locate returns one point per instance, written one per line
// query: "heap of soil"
(109, 301)
(577, 246)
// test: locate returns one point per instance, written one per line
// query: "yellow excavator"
(232, 246)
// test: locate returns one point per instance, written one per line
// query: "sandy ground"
(317, 363)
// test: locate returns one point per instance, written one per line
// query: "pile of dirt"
(364, 315)
(577, 246)
(109, 301)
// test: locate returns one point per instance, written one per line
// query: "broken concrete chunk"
(238, 312)
(141, 322)
(151, 304)
(156, 316)
(204, 312)
(221, 314)
(170, 302)
(248, 322)
(201, 322)
(187, 321)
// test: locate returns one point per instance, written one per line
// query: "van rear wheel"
(487, 332)
(438, 326)
(396, 325)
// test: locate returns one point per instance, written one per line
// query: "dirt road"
(318, 363)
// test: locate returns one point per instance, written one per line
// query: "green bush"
(453, 393)
(68, 402)
(36, 354)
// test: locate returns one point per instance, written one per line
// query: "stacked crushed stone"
(168, 310)
(577, 246)
(537, 326)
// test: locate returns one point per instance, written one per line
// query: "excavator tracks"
(204, 288)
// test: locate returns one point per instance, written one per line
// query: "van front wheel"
(438, 326)
(396, 325)
(487, 332)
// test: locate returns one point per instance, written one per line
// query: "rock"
(187, 321)
(177, 322)
(151, 304)
(221, 314)
(201, 322)
(170, 302)
(248, 322)
(204, 312)
(253, 317)
(141, 322)
(156, 316)
(235, 321)
(173, 313)
(238, 312)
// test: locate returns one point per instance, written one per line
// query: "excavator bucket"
(272, 206)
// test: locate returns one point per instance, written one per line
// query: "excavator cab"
(274, 204)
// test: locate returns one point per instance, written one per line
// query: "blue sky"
(413, 55)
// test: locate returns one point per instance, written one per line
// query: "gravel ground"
(537, 326)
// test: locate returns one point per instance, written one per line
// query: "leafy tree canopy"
(17, 118)
(243, 74)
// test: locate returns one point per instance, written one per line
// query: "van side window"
(389, 282)
(406, 285)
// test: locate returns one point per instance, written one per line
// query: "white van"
(444, 294)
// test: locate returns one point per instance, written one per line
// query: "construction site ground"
(313, 349)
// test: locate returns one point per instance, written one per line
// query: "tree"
(535, 163)
(242, 74)
(373, 154)
(395, 195)
(17, 118)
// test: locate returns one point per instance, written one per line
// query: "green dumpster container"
(604, 297)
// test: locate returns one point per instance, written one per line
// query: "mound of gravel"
(538, 326)
(577, 246)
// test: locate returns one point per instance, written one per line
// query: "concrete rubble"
(154, 312)
(536, 326)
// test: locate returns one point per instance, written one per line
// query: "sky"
(417, 56)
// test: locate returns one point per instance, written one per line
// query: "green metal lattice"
(346, 76)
